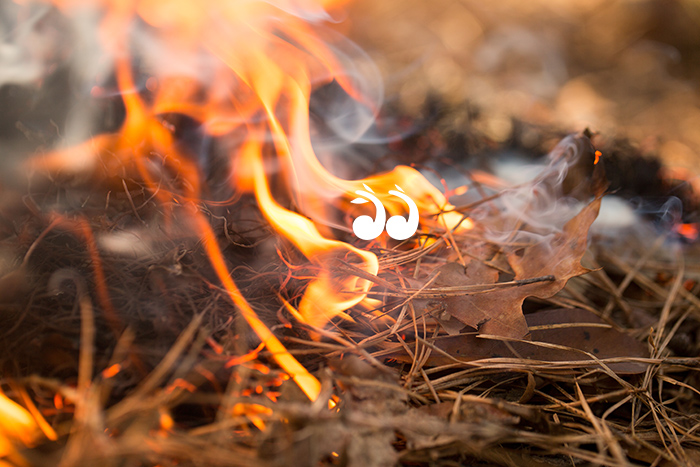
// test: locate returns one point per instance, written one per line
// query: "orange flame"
(17, 423)
(20, 424)
(264, 61)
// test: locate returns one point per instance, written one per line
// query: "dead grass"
(140, 360)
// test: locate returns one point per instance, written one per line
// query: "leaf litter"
(600, 369)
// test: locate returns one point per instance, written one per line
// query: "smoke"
(538, 208)
(31, 40)
(663, 212)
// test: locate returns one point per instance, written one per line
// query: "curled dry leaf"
(499, 311)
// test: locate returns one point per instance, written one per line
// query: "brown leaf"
(499, 312)
(560, 258)
(598, 341)
(498, 307)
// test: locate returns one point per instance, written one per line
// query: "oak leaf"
(555, 259)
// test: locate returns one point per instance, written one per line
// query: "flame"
(19, 424)
(317, 306)
(263, 59)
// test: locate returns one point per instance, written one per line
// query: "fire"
(245, 70)
(17, 424)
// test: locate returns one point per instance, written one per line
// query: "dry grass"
(140, 360)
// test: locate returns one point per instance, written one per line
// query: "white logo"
(398, 227)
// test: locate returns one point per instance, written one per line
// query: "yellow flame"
(16, 424)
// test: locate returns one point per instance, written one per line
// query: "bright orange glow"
(58, 401)
(38, 418)
(689, 231)
(166, 421)
(253, 412)
(252, 355)
(111, 371)
(333, 402)
(180, 383)
(17, 424)
(598, 154)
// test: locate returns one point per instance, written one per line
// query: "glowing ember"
(688, 231)
(111, 371)
(253, 412)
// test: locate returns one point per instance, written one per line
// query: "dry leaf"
(599, 341)
(499, 312)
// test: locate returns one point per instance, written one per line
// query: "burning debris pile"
(195, 274)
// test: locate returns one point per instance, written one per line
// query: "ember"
(195, 274)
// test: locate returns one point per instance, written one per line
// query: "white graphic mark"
(398, 227)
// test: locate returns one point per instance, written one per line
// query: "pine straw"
(177, 379)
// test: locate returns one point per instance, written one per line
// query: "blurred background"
(463, 78)
(628, 69)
